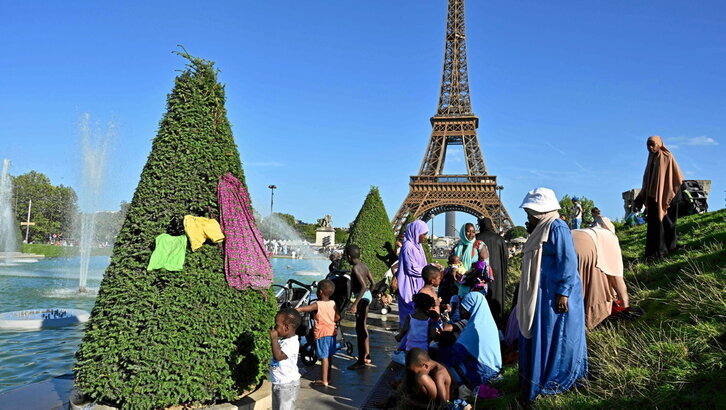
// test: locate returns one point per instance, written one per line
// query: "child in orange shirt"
(324, 331)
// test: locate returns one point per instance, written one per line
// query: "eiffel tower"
(432, 192)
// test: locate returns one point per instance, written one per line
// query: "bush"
(569, 211)
(372, 232)
(157, 339)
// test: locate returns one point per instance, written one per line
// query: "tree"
(53, 207)
(372, 232)
(108, 224)
(516, 232)
(341, 235)
(157, 338)
(568, 210)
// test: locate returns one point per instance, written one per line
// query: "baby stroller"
(341, 297)
(381, 295)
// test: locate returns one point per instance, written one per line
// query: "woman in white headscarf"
(551, 315)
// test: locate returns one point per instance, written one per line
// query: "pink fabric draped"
(246, 263)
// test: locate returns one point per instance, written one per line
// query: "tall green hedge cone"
(372, 232)
(159, 338)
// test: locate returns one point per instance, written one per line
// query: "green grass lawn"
(672, 357)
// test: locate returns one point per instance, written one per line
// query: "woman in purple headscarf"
(410, 263)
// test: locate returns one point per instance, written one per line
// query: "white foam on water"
(71, 293)
(308, 273)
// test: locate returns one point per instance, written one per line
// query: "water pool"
(32, 356)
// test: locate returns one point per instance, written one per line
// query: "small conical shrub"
(158, 338)
(373, 233)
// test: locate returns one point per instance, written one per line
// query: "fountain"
(8, 240)
(288, 236)
(94, 146)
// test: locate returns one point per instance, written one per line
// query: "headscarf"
(486, 225)
(480, 337)
(411, 260)
(531, 266)
(605, 223)
(662, 178)
(464, 248)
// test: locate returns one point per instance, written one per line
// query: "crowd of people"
(454, 330)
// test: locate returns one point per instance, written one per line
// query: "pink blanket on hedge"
(246, 263)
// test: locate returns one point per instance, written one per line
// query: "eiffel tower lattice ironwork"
(431, 191)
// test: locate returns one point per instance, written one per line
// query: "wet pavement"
(350, 388)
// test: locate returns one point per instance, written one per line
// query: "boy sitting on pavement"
(324, 330)
(284, 374)
(430, 378)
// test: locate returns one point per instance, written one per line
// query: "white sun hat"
(541, 200)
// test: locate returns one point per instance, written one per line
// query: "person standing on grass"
(660, 193)
(411, 262)
(361, 281)
(550, 309)
(576, 213)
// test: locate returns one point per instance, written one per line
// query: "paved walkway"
(350, 387)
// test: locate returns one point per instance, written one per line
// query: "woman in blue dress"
(551, 314)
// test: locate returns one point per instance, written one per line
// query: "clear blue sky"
(330, 97)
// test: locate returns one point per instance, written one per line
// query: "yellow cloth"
(199, 229)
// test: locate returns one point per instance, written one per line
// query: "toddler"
(284, 375)
(418, 328)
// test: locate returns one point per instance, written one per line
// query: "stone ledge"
(260, 399)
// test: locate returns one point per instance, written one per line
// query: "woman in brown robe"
(661, 188)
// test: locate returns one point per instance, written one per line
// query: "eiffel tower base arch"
(431, 196)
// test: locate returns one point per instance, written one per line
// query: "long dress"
(556, 355)
(499, 261)
(597, 296)
(410, 263)
(660, 194)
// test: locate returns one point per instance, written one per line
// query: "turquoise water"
(32, 356)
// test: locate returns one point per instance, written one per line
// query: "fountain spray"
(94, 146)
(8, 240)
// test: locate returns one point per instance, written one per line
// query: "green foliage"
(516, 232)
(53, 207)
(372, 232)
(672, 357)
(157, 339)
(341, 235)
(307, 231)
(568, 210)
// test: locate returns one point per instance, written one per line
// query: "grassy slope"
(672, 357)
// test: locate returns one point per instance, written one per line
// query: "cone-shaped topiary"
(159, 338)
(372, 232)
(426, 245)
